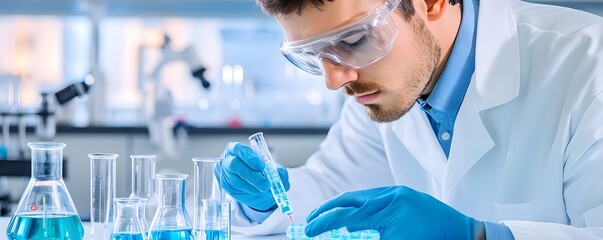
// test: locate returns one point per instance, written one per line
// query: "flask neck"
(47, 163)
(127, 210)
(171, 192)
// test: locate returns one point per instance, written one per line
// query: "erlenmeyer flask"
(142, 202)
(46, 210)
(127, 222)
(143, 182)
(171, 221)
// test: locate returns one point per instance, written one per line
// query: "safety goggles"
(355, 45)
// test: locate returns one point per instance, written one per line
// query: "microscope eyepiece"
(70, 92)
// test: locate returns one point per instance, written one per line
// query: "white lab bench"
(235, 236)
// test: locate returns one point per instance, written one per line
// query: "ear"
(436, 9)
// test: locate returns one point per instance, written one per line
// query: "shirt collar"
(449, 91)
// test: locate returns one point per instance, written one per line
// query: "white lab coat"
(527, 148)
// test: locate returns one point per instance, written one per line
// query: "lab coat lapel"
(496, 82)
(470, 142)
(415, 133)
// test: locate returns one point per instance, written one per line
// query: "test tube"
(17, 109)
(211, 219)
(143, 182)
(259, 146)
(102, 192)
(21, 133)
(6, 119)
(5, 136)
(4, 114)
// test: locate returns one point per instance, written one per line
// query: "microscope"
(19, 164)
(46, 124)
(158, 100)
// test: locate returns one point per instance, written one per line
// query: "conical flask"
(171, 221)
(142, 202)
(128, 225)
(46, 210)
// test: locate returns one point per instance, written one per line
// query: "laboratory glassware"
(128, 225)
(216, 220)
(5, 107)
(259, 146)
(102, 192)
(297, 232)
(211, 218)
(5, 135)
(171, 221)
(46, 210)
(143, 182)
(142, 202)
(5, 144)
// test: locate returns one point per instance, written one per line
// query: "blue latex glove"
(240, 174)
(396, 212)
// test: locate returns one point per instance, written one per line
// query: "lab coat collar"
(470, 142)
(495, 82)
(497, 64)
(415, 133)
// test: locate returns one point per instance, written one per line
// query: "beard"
(428, 53)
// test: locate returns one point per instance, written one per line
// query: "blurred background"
(175, 78)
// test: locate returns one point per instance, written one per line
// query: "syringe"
(258, 144)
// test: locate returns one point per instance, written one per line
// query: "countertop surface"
(235, 236)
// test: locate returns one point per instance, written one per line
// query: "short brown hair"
(277, 8)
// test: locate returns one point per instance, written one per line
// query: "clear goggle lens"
(356, 45)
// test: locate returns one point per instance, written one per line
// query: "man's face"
(389, 87)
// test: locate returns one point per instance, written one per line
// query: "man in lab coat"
(467, 120)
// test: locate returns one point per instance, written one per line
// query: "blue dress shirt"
(445, 99)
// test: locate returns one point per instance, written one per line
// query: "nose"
(336, 75)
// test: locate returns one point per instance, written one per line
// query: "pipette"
(258, 144)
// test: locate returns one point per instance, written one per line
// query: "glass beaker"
(46, 210)
(209, 202)
(102, 192)
(143, 182)
(171, 221)
(216, 220)
(128, 225)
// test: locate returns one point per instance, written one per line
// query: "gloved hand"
(240, 174)
(396, 212)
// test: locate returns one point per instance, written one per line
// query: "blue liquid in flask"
(51, 227)
(127, 236)
(212, 235)
(169, 234)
